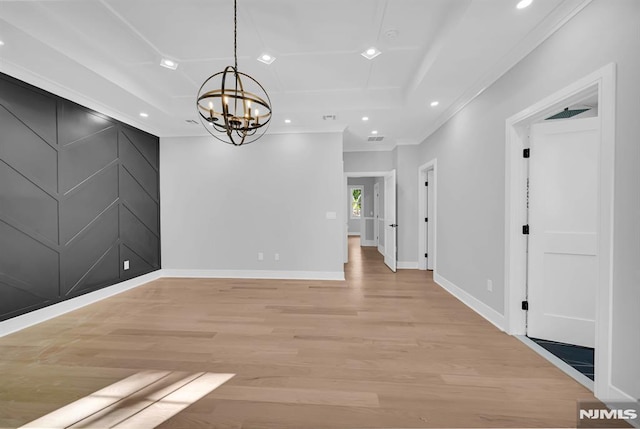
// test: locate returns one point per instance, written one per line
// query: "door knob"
(394, 225)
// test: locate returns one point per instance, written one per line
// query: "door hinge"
(525, 229)
(526, 153)
(426, 255)
(525, 305)
(426, 183)
(426, 219)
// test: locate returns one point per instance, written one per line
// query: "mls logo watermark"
(616, 415)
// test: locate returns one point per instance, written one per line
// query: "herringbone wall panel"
(78, 196)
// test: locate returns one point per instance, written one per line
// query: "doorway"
(376, 214)
(570, 244)
(377, 226)
(427, 215)
(562, 233)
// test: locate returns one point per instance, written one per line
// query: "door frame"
(346, 176)
(423, 170)
(602, 82)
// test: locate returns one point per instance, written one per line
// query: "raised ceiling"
(105, 54)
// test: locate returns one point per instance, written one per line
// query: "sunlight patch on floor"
(145, 399)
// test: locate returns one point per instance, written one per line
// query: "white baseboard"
(381, 249)
(354, 234)
(255, 274)
(32, 318)
(401, 265)
(367, 243)
(618, 395)
(470, 301)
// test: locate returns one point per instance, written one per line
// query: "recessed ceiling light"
(169, 64)
(144, 115)
(365, 118)
(266, 58)
(371, 53)
(1, 43)
(524, 3)
(434, 103)
(374, 132)
(287, 121)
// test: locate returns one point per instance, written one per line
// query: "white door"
(563, 234)
(376, 212)
(430, 221)
(390, 227)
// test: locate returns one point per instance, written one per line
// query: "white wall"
(471, 169)
(221, 205)
(407, 205)
(369, 161)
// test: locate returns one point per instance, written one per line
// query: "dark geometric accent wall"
(79, 195)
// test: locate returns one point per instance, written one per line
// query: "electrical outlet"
(276, 257)
(489, 285)
(260, 256)
(126, 265)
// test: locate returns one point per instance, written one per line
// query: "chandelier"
(233, 106)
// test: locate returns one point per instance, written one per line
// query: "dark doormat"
(581, 358)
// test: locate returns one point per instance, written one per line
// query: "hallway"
(378, 350)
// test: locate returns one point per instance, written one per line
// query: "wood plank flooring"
(379, 350)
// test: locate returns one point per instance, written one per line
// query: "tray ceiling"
(105, 54)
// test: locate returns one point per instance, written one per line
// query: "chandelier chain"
(235, 32)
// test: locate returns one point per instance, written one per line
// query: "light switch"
(332, 215)
(126, 264)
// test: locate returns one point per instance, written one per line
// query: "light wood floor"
(379, 350)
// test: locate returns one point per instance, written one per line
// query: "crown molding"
(46, 84)
(370, 149)
(554, 21)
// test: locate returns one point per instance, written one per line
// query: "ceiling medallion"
(233, 106)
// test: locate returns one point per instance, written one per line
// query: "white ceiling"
(105, 54)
